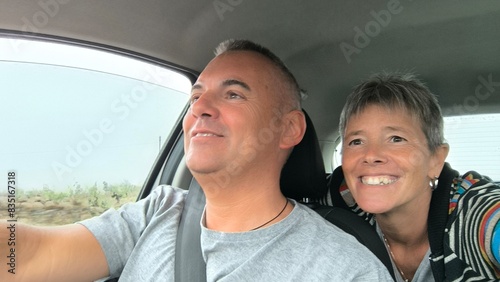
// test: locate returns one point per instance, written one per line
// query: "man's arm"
(65, 253)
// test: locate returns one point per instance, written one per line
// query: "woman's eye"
(397, 139)
(355, 142)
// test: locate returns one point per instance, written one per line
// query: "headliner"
(450, 44)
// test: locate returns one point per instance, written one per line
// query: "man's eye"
(194, 98)
(355, 142)
(233, 95)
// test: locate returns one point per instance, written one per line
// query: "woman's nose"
(374, 154)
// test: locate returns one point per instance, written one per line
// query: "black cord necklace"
(286, 204)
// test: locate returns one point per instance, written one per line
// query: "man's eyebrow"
(229, 82)
(196, 86)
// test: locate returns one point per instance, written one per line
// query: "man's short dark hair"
(247, 45)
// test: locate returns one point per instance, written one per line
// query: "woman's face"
(386, 161)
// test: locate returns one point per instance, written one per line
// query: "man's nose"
(205, 105)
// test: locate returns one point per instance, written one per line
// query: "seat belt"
(437, 219)
(189, 263)
(360, 229)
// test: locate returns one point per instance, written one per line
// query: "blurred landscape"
(48, 207)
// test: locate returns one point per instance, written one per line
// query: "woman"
(393, 153)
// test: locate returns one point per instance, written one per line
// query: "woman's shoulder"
(475, 209)
(472, 180)
(472, 186)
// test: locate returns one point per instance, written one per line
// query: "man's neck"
(243, 206)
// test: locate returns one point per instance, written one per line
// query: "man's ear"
(438, 160)
(294, 127)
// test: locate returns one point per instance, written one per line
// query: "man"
(245, 118)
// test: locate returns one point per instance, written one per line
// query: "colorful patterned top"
(463, 224)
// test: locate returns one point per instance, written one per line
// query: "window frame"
(170, 155)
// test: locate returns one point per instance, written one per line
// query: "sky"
(74, 116)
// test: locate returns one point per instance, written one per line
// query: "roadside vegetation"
(49, 207)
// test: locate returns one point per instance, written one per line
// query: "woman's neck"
(405, 236)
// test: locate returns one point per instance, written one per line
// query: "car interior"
(330, 46)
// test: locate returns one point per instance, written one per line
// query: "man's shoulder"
(334, 248)
(320, 226)
(168, 189)
(162, 192)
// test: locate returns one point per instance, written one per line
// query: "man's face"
(233, 123)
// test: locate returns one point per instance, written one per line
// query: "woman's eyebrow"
(395, 129)
(352, 133)
(385, 129)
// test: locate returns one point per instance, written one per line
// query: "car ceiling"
(450, 44)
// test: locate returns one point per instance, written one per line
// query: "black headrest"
(334, 181)
(303, 175)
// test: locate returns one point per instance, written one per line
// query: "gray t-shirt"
(139, 243)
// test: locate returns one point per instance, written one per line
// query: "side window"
(474, 144)
(81, 128)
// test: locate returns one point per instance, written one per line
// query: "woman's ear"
(438, 159)
(294, 127)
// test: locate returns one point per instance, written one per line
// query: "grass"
(47, 206)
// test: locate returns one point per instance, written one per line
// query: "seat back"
(303, 176)
(341, 215)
